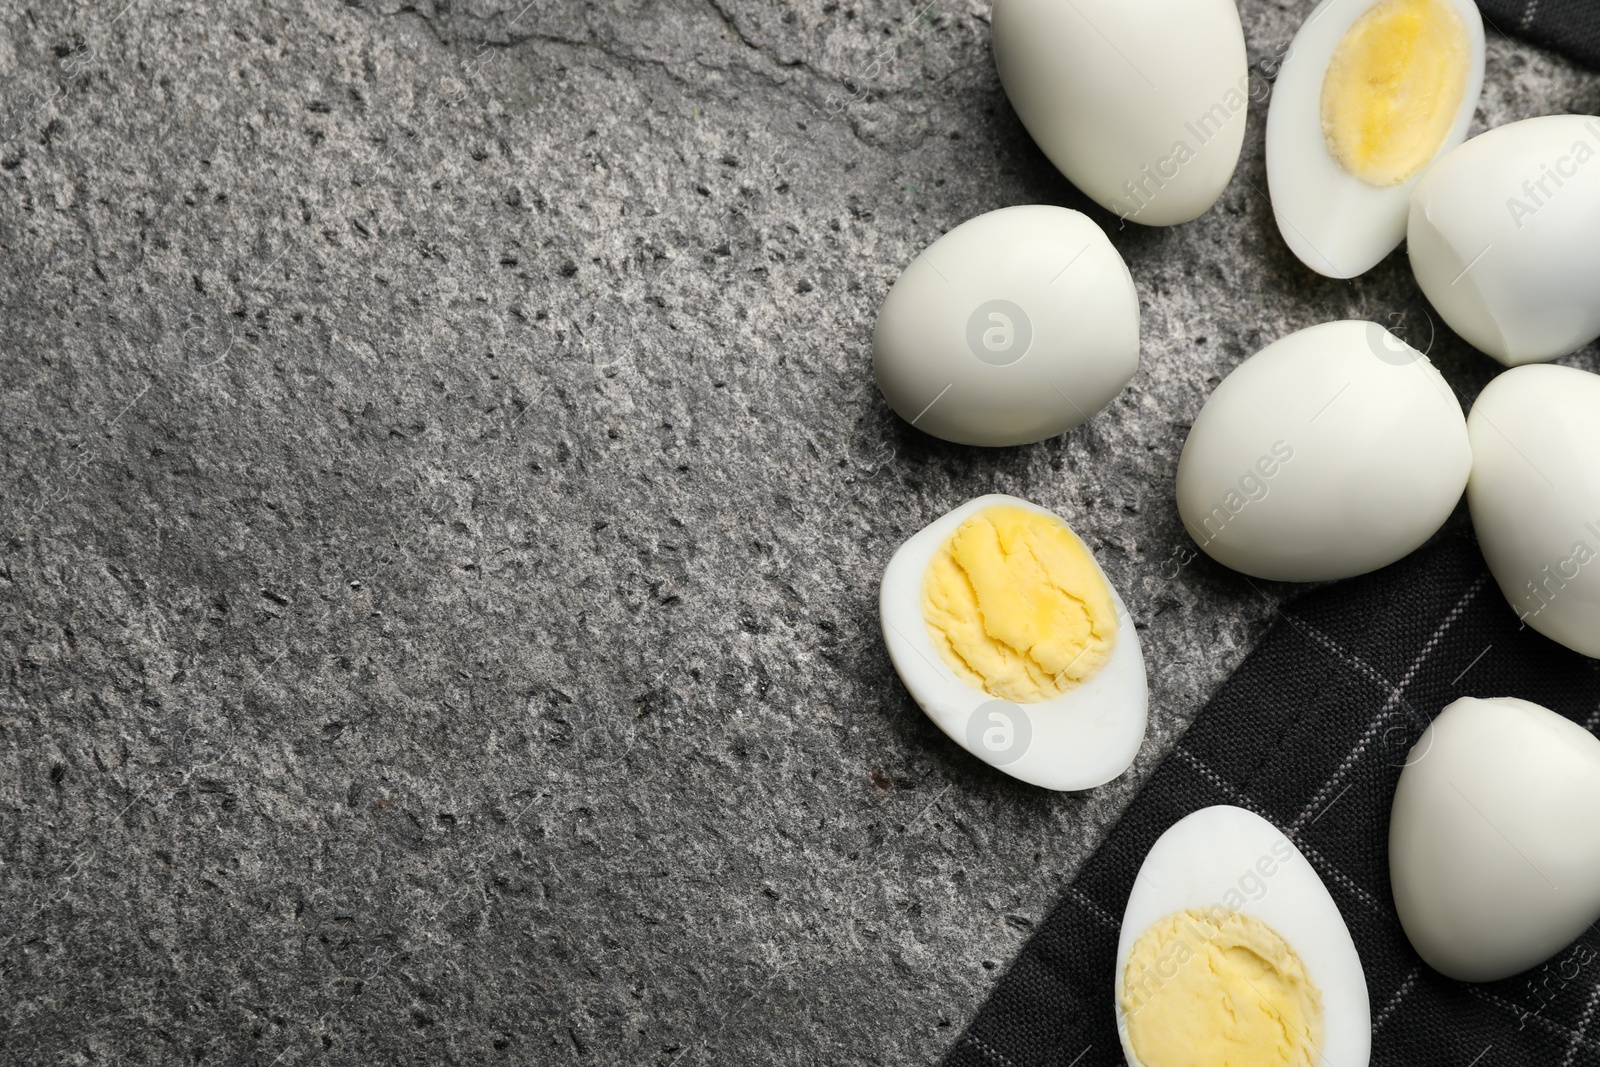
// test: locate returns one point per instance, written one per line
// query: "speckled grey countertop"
(444, 497)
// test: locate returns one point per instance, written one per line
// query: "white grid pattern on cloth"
(988, 1051)
(1577, 1036)
(1583, 1024)
(1394, 700)
(1527, 16)
(1316, 858)
(1396, 696)
(1593, 720)
(1406, 986)
(1084, 901)
(1549, 1024)
(1348, 658)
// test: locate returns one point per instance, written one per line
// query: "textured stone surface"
(444, 494)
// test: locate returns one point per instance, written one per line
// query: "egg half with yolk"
(1370, 94)
(1232, 952)
(1008, 635)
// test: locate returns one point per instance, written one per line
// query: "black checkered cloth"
(1311, 733)
(1568, 26)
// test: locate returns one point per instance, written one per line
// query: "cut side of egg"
(1232, 951)
(1007, 634)
(1370, 94)
(1501, 237)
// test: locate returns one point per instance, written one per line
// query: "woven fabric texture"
(1571, 27)
(1311, 732)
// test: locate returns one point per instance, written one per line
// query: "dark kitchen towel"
(1311, 732)
(1569, 26)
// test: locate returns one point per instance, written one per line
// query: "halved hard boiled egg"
(1233, 952)
(1370, 94)
(1008, 635)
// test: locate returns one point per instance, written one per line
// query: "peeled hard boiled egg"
(1007, 634)
(1013, 327)
(1535, 497)
(1494, 838)
(1141, 105)
(1370, 94)
(1331, 452)
(1502, 236)
(1232, 952)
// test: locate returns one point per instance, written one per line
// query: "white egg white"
(1534, 495)
(1229, 857)
(1332, 452)
(1334, 222)
(1494, 838)
(1501, 237)
(1083, 738)
(1140, 105)
(1049, 280)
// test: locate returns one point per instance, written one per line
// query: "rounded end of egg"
(1486, 883)
(1334, 451)
(1014, 327)
(1146, 117)
(1535, 499)
(1157, 213)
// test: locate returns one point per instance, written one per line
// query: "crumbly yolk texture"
(1393, 88)
(1218, 988)
(1016, 606)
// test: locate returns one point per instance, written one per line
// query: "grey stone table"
(444, 495)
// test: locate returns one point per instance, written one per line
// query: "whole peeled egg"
(1331, 452)
(1494, 838)
(1534, 495)
(1232, 951)
(1503, 238)
(1370, 93)
(1140, 103)
(1009, 636)
(1013, 327)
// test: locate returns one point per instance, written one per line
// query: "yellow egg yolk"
(1393, 88)
(1212, 987)
(1016, 606)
